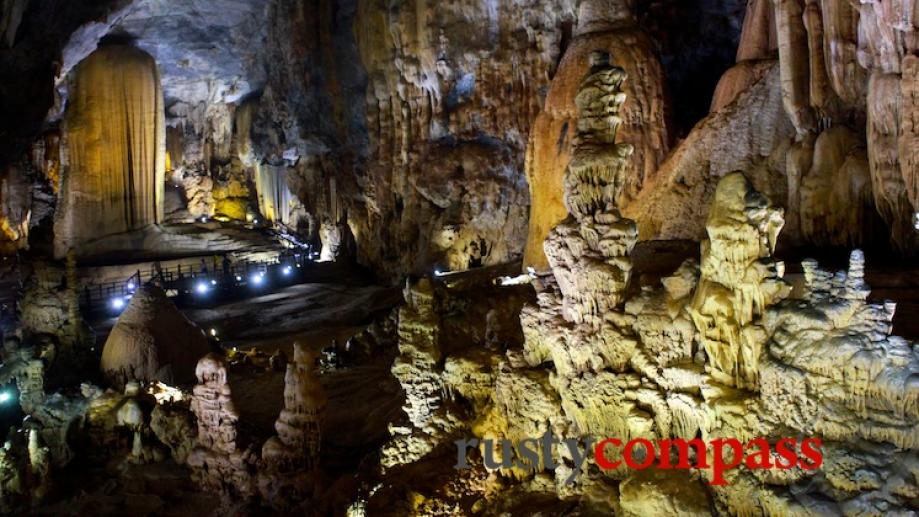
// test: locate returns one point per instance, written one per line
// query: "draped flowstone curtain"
(115, 141)
(274, 195)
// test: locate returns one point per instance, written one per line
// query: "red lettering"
(763, 455)
(814, 454)
(782, 447)
(682, 447)
(718, 464)
(599, 454)
(649, 454)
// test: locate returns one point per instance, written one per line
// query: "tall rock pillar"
(116, 140)
(608, 25)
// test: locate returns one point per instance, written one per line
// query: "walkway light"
(117, 303)
(5, 396)
(201, 288)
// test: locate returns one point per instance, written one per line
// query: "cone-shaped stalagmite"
(115, 135)
(153, 341)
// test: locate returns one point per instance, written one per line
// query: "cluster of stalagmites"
(284, 473)
(150, 422)
(720, 349)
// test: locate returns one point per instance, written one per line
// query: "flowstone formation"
(115, 136)
(738, 280)
(722, 349)
(819, 114)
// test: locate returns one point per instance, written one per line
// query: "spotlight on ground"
(117, 303)
(201, 288)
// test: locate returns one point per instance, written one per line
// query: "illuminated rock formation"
(290, 460)
(416, 368)
(608, 26)
(758, 42)
(835, 368)
(115, 139)
(845, 82)
(153, 341)
(217, 463)
(24, 471)
(822, 364)
(588, 251)
(751, 134)
(738, 281)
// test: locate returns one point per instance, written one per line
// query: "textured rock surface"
(153, 341)
(218, 464)
(845, 84)
(290, 460)
(719, 349)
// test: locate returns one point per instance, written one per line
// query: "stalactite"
(794, 63)
(840, 38)
(274, 195)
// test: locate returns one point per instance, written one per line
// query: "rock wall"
(844, 173)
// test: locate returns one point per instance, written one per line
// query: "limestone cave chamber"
(459, 258)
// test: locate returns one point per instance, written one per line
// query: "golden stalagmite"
(644, 124)
(115, 138)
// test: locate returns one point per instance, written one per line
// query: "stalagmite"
(643, 121)
(298, 426)
(588, 251)
(115, 138)
(291, 459)
(418, 369)
(217, 462)
(153, 341)
(738, 280)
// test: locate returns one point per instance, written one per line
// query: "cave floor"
(362, 397)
